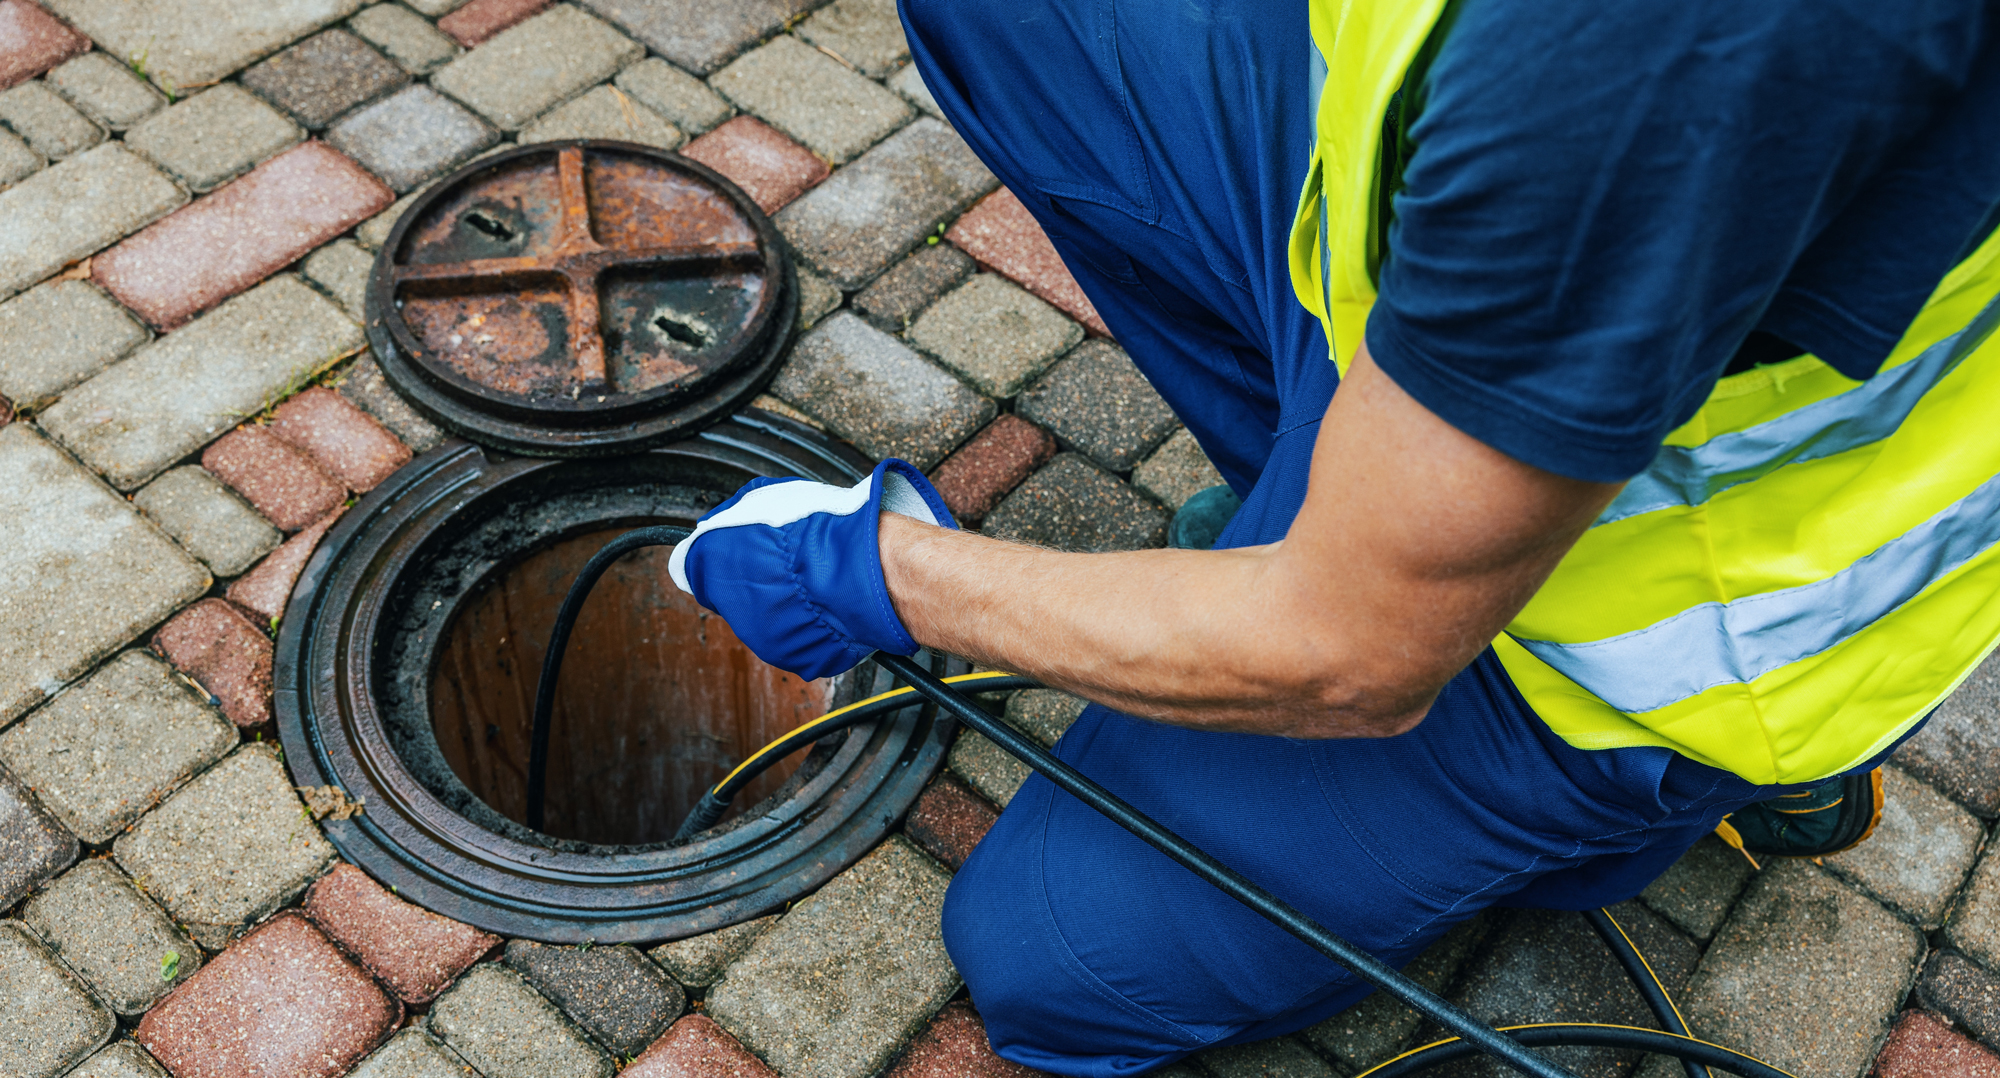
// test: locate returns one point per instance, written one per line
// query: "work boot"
(1200, 521)
(1831, 817)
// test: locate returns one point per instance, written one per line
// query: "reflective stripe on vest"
(1809, 565)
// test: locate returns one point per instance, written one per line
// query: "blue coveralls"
(1162, 145)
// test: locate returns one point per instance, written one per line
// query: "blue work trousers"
(1162, 145)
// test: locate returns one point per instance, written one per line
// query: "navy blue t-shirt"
(1605, 201)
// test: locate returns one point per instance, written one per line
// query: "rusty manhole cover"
(580, 298)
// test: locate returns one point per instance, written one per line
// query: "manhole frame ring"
(432, 866)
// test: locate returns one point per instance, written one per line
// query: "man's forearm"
(1414, 548)
(1195, 638)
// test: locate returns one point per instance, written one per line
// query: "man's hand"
(1416, 545)
(792, 565)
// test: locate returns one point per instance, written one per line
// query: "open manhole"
(406, 671)
(580, 298)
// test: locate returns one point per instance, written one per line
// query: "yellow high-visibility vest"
(1809, 566)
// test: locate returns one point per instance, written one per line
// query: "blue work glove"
(795, 567)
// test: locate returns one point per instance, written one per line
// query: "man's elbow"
(1362, 707)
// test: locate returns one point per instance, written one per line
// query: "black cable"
(1509, 1046)
(708, 811)
(1367, 966)
(1645, 980)
(572, 605)
(1583, 1035)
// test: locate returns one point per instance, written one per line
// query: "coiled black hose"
(1510, 1046)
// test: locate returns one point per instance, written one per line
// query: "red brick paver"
(265, 590)
(213, 643)
(414, 951)
(695, 1047)
(481, 19)
(32, 41)
(954, 1046)
(1004, 237)
(949, 820)
(221, 244)
(341, 438)
(769, 167)
(1922, 1046)
(974, 479)
(282, 1001)
(277, 477)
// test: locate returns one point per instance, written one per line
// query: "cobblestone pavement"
(191, 192)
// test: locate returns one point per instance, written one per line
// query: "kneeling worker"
(1609, 394)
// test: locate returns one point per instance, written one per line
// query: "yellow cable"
(1657, 983)
(958, 679)
(1588, 1025)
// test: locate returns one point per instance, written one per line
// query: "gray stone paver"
(605, 113)
(227, 848)
(1958, 750)
(189, 42)
(897, 297)
(1071, 505)
(81, 572)
(48, 1021)
(1805, 975)
(1548, 966)
(1176, 471)
(1279, 1057)
(75, 208)
(33, 846)
(1975, 923)
(120, 1059)
(1379, 1026)
(411, 136)
(684, 100)
(17, 160)
(188, 388)
(818, 297)
(436, 8)
(52, 126)
(323, 76)
(987, 768)
(1919, 853)
(528, 68)
(872, 212)
(106, 90)
(910, 83)
(111, 746)
(994, 334)
(507, 1030)
(341, 269)
(411, 1054)
(699, 35)
(699, 961)
(616, 994)
(865, 33)
(1697, 891)
(810, 96)
(58, 334)
(374, 232)
(364, 385)
(871, 389)
(849, 975)
(208, 519)
(404, 36)
(1096, 402)
(214, 136)
(1043, 714)
(115, 938)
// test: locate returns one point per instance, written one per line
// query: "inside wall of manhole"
(658, 699)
